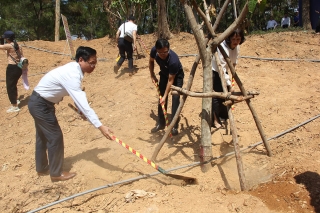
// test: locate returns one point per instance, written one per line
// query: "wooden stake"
(233, 129)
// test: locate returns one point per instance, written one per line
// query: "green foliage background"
(35, 20)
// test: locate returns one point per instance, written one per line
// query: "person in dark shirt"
(296, 20)
(318, 25)
(171, 73)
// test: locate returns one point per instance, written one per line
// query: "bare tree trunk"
(206, 55)
(57, 26)
(113, 17)
(163, 26)
(306, 23)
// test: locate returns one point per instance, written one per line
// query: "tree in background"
(306, 23)
(35, 20)
(119, 10)
(29, 19)
(86, 18)
(163, 26)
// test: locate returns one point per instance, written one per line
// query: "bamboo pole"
(254, 114)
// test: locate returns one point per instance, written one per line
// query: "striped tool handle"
(163, 107)
(151, 163)
(129, 148)
(143, 43)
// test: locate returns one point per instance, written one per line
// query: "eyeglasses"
(163, 53)
(92, 64)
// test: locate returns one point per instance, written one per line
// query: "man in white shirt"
(271, 24)
(125, 47)
(60, 82)
(285, 21)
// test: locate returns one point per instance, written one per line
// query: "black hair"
(238, 32)
(131, 18)
(16, 45)
(85, 53)
(161, 43)
(11, 37)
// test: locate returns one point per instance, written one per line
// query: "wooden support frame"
(205, 44)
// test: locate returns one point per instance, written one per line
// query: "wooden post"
(233, 129)
(56, 32)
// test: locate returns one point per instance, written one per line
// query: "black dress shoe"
(157, 128)
(174, 131)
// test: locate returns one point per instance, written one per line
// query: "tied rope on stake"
(163, 108)
(187, 180)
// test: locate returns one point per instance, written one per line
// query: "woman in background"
(13, 72)
(231, 46)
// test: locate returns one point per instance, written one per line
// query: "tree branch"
(208, 94)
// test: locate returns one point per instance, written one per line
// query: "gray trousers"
(49, 136)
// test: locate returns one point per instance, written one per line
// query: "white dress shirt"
(233, 55)
(271, 24)
(285, 20)
(63, 81)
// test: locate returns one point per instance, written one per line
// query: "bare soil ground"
(288, 181)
